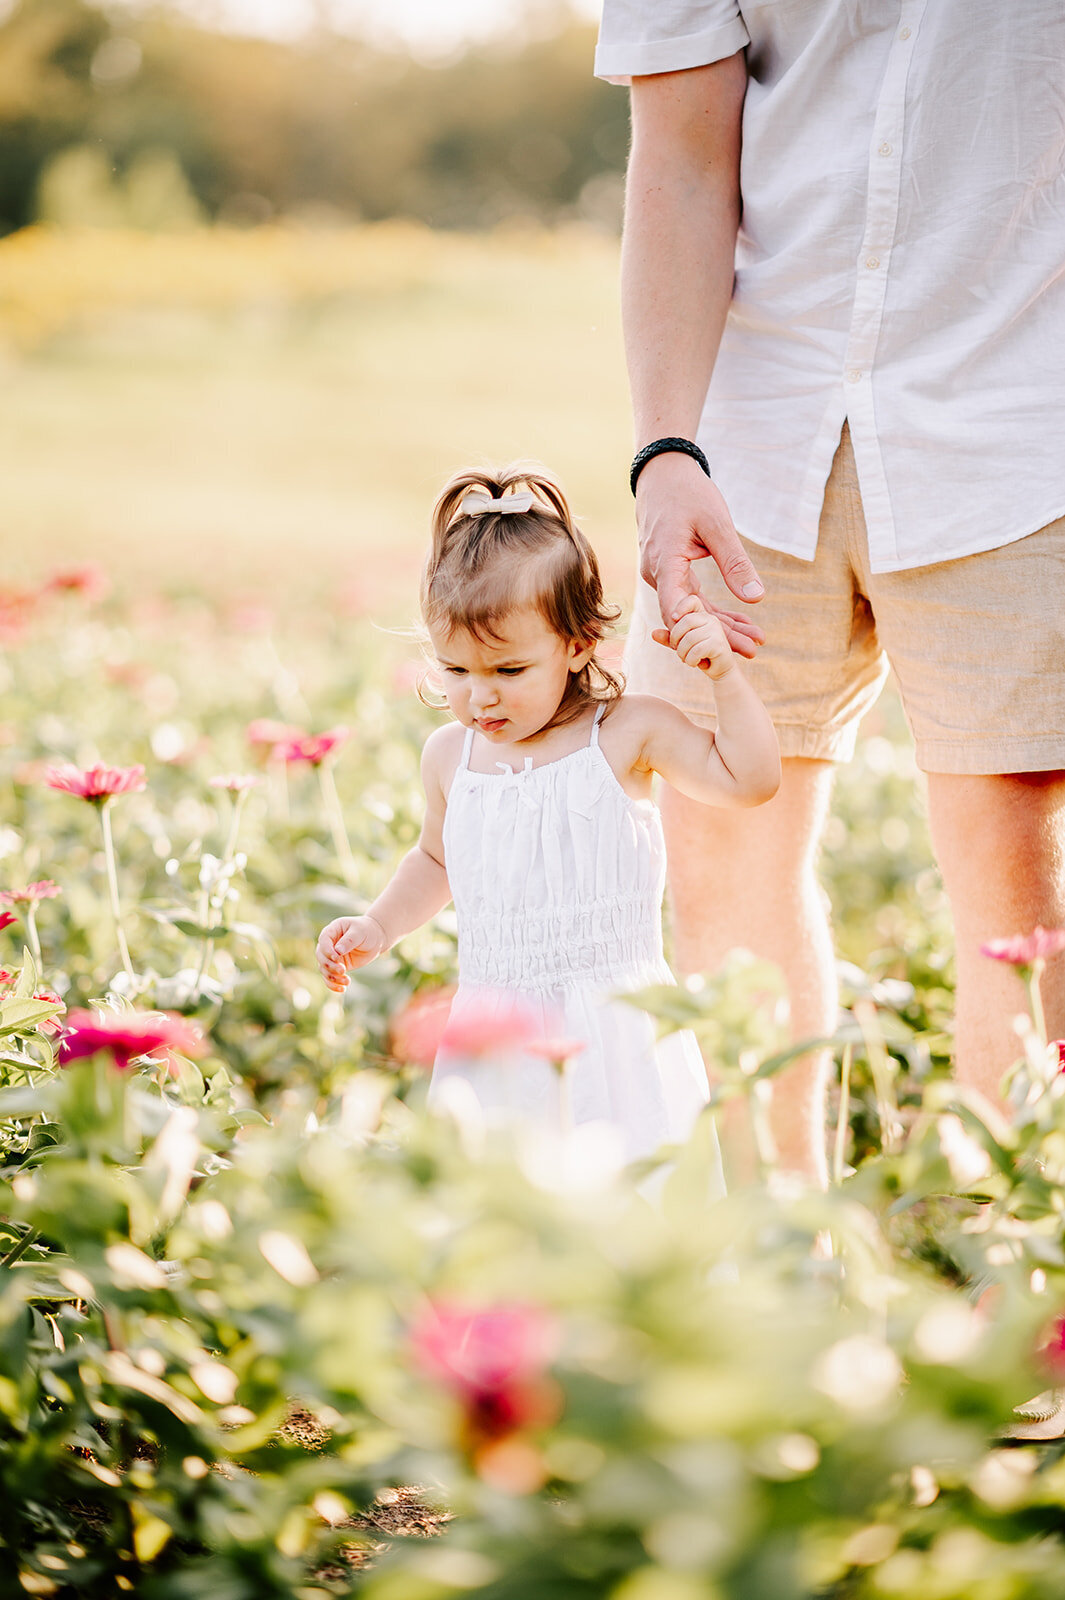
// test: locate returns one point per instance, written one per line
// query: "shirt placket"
(871, 278)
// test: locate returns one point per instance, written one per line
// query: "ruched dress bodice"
(557, 875)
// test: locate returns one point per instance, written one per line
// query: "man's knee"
(1001, 834)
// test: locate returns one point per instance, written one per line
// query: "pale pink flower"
(96, 783)
(1024, 949)
(493, 1359)
(268, 733)
(416, 1030)
(89, 580)
(313, 748)
(16, 608)
(490, 1024)
(6, 976)
(235, 782)
(555, 1048)
(128, 1035)
(31, 895)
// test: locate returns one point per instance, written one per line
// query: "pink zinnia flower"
(128, 1035)
(313, 748)
(1024, 949)
(1059, 1046)
(31, 895)
(490, 1024)
(417, 1029)
(95, 783)
(51, 1025)
(235, 782)
(7, 918)
(493, 1359)
(90, 580)
(556, 1048)
(6, 976)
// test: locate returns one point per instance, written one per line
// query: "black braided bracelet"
(660, 447)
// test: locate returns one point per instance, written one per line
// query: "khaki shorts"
(977, 645)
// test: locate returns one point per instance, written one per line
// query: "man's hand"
(683, 518)
(699, 639)
(348, 942)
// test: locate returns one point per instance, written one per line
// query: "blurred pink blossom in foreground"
(494, 1360)
(313, 748)
(416, 1030)
(31, 895)
(7, 918)
(490, 1024)
(1023, 949)
(555, 1048)
(128, 1034)
(95, 783)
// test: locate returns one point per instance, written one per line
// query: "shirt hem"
(620, 63)
(995, 541)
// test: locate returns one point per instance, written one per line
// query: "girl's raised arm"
(417, 890)
(738, 764)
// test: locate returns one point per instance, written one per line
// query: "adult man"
(874, 361)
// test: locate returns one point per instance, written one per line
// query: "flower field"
(251, 1294)
(267, 1330)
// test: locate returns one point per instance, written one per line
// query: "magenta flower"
(51, 1026)
(1024, 949)
(95, 783)
(1059, 1046)
(313, 748)
(31, 895)
(127, 1035)
(490, 1024)
(494, 1360)
(7, 918)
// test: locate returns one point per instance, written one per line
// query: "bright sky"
(430, 28)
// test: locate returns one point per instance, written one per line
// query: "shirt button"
(885, 149)
(854, 376)
(904, 33)
(872, 262)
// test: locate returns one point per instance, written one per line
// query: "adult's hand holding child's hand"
(698, 638)
(348, 942)
(683, 518)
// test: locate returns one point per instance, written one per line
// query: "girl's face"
(507, 688)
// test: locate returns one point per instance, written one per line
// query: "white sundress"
(557, 877)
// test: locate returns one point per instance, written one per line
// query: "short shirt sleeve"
(640, 37)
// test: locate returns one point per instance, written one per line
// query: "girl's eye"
(510, 672)
(456, 672)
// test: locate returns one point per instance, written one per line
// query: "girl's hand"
(348, 942)
(699, 639)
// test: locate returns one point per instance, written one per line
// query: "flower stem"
(335, 814)
(843, 1116)
(32, 934)
(20, 1247)
(1035, 995)
(112, 884)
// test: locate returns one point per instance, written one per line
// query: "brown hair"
(483, 565)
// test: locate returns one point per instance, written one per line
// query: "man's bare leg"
(1000, 842)
(748, 878)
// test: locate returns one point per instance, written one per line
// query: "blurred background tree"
(112, 118)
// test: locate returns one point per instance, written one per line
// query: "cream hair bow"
(475, 503)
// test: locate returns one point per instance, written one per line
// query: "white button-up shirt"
(901, 262)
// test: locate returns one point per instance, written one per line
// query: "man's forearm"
(681, 216)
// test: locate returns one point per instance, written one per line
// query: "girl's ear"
(579, 654)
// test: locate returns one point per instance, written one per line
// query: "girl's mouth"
(491, 724)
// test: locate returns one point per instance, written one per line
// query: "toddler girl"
(539, 820)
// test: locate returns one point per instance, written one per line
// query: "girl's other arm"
(738, 764)
(417, 890)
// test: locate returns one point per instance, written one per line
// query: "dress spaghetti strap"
(596, 720)
(467, 746)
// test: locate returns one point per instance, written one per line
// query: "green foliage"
(115, 119)
(785, 1393)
